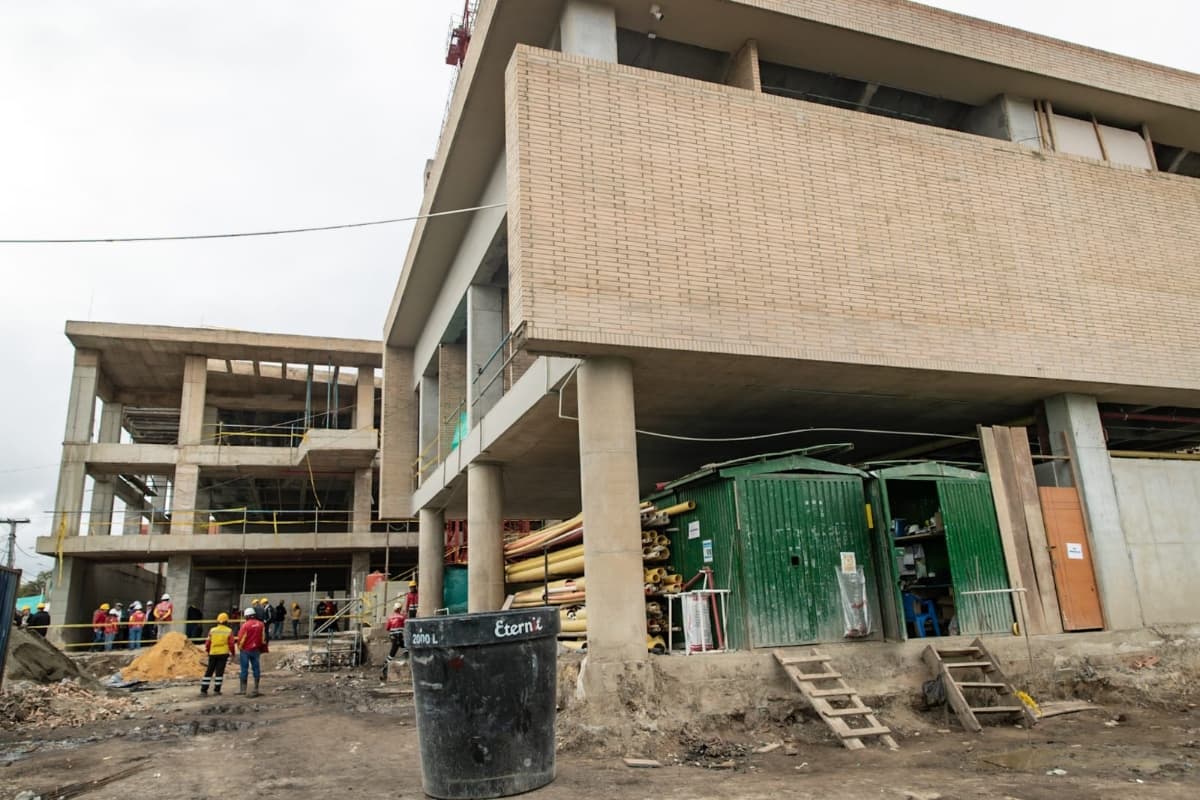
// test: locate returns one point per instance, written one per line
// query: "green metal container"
(975, 554)
(774, 530)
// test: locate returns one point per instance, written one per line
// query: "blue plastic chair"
(918, 612)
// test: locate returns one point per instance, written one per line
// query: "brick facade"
(648, 210)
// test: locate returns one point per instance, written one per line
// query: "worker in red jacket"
(137, 619)
(410, 600)
(99, 620)
(164, 613)
(395, 631)
(252, 642)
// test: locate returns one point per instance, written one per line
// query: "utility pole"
(12, 538)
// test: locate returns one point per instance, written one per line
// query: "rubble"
(65, 704)
(172, 657)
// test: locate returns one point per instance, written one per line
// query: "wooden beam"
(1047, 594)
(1035, 617)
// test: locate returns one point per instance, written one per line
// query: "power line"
(250, 233)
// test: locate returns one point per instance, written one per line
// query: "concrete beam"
(151, 548)
(185, 584)
(191, 406)
(67, 601)
(1076, 429)
(485, 334)
(589, 29)
(485, 545)
(431, 558)
(399, 435)
(609, 483)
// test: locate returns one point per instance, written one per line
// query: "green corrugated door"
(795, 529)
(976, 558)
(714, 519)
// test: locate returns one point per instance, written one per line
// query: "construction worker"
(395, 631)
(99, 620)
(19, 618)
(39, 620)
(219, 645)
(112, 623)
(410, 600)
(252, 642)
(296, 615)
(164, 613)
(137, 618)
(277, 618)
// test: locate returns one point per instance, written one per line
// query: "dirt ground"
(343, 734)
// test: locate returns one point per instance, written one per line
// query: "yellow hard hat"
(222, 617)
(412, 584)
(26, 608)
(104, 606)
(41, 606)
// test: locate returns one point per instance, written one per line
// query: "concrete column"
(485, 545)
(185, 586)
(184, 519)
(398, 439)
(485, 332)
(360, 521)
(589, 29)
(1076, 418)
(452, 389)
(431, 559)
(81, 411)
(209, 425)
(100, 519)
(68, 603)
(743, 68)
(428, 427)
(360, 567)
(364, 404)
(609, 482)
(158, 505)
(111, 416)
(191, 405)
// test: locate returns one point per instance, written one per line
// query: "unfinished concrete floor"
(315, 735)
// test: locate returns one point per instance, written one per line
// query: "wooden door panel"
(1071, 558)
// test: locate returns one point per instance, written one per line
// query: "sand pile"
(173, 657)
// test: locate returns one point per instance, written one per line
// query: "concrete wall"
(863, 240)
(1160, 512)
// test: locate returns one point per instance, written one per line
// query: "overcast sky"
(129, 118)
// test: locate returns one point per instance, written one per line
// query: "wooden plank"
(877, 731)
(982, 685)
(1028, 717)
(803, 660)
(998, 709)
(847, 712)
(1034, 616)
(957, 651)
(816, 676)
(1036, 527)
(1004, 515)
(967, 664)
(831, 692)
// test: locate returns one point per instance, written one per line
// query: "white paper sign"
(1075, 551)
(694, 529)
(849, 563)
(706, 546)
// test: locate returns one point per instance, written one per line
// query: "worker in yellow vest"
(219, 645)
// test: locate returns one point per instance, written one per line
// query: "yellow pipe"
(678, 508)
(539, 561)
(573, 566)
(1154, 454)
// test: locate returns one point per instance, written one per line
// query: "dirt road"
(318, 735)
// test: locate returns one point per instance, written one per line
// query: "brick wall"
(647, 210)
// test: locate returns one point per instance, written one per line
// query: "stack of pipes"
(557, 552)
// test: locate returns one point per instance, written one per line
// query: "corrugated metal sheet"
(10, 581)
(795, 529)
(716, 513)
(976, 557)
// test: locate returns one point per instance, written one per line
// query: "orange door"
(1071, 557)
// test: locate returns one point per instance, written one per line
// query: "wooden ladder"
(823, 686)
(959, 668)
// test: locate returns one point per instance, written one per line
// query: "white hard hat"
(135, 605)
(399, 605)
(250, 612)
(166, 596)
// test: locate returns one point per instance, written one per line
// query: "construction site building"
(703, 220)
(211, 464)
